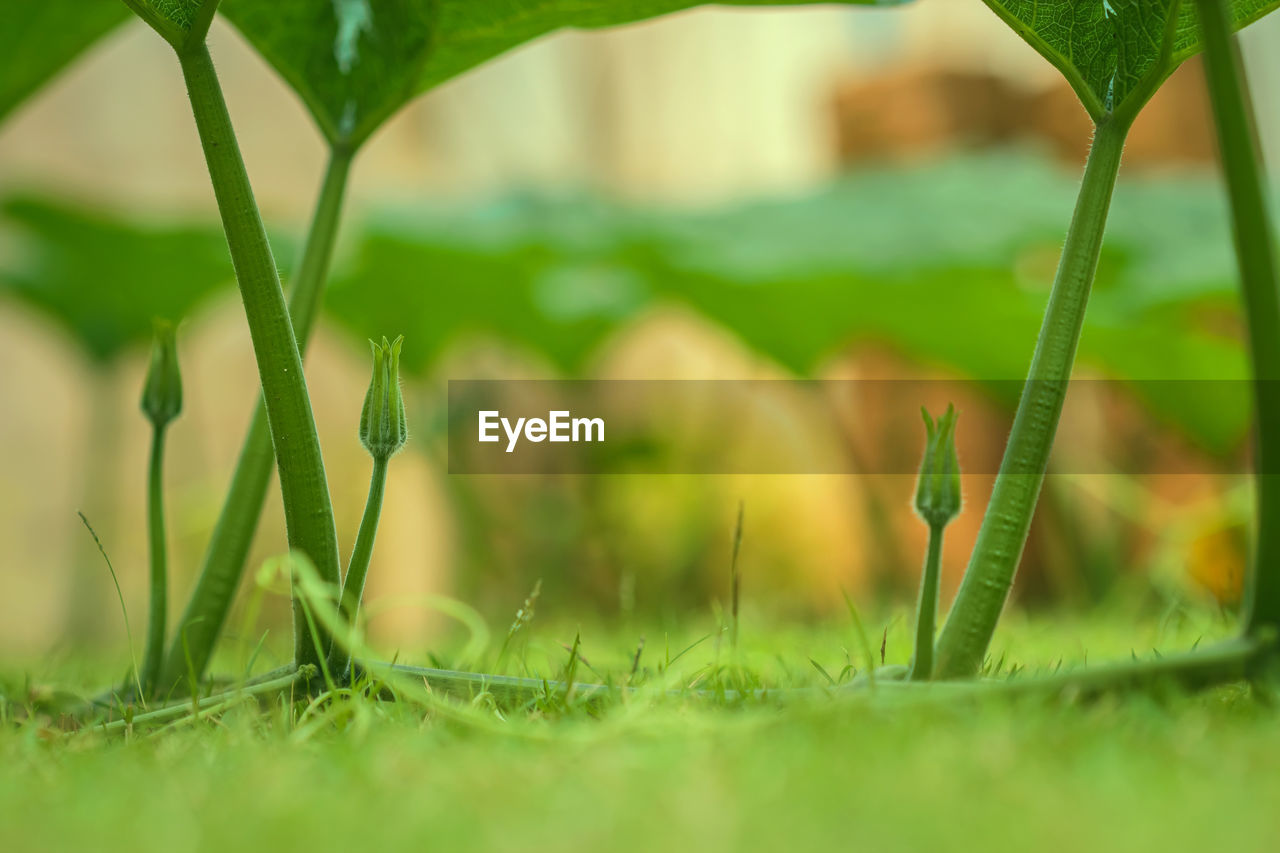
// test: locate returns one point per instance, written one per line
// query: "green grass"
(660, 772)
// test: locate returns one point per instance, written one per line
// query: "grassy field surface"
(664, 772)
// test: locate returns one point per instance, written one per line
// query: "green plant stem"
(989, 576)
(213, 704)
(927, 607)
(1255, 255)
(1223, 663)
(308, 511)
(358, 569)
(154, 655)
(228, 550)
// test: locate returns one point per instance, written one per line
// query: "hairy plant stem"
(308, 511)
(228, 550)
(927, 607)
(154, 656)
(358, 569)
(1256, 257)
(989, 576)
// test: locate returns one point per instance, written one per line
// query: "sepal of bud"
(938, 488)
(383, 427)
(162, 393)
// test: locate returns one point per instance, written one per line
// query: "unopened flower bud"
(162, 394)
(383, 428)
(938, 489)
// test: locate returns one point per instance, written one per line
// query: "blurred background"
(829, 193)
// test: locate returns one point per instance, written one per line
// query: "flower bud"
(938, 489)
(162, 394)
(383, 429)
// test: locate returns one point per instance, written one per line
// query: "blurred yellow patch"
(1216, 558)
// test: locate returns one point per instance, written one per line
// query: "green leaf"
(103, 280)
(1115, 53)
(1243, 13)
(178, 21)
(40, 37)
(355, 63)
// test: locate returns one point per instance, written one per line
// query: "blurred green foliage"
(948, 264)
(103, 278)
